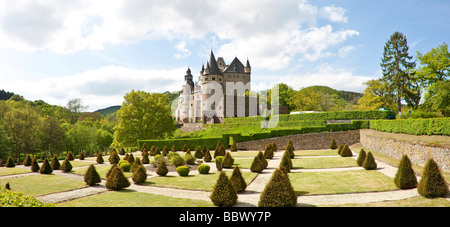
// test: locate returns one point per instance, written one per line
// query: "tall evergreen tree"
(395, 65)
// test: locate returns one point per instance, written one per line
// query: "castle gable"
(235, 66)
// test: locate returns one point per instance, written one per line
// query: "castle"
(196, 98)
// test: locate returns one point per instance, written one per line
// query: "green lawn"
(321, 163)
(410, 202)
(127, 198)
(14, 170)
(316, 183)
(202, 182)
(325, 152)
(42, 184)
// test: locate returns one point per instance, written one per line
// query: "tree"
(140, 175)
(116, 180)
(91, 177)
(278, 192)
(438, 97)
(237, 180)
(434, 66)
(46, 168)
(376, 96)
(5, 144)
(369, 163)
(52, 135)
(432, 184)
(396, 65)
(223, 194)
(75, 106)
(405, 178)
(143, 116)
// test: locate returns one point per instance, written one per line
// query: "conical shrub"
(286, 162)
(274, 147)
(184, 149)
(162, 170)
(174, 149)
(405, 178)
(34, 165)
(27, 161)
(268, 152)
(278, 192)
(227, 161)
(432, 184)
(66, 166)
(198, 152)
(136, 164)
(369, 163)
(233, 146)
(55, 163)
(260, 155)
(145, 159)
(165, 151)
(237, 180)
(257, 165)
(130, 158)
(361, 157)
(91, 177)
(81, 156)
(46, 168)
(223, 194)
(100, 158)
(140, 175)
(10, 162)
(346, 152)
(207, 157)
(340, 149)
(113, 158)
(116, 180)
(333, 144)
(290, 149)
(70, 156)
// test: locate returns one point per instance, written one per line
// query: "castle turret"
(188, 78)
(247, 68)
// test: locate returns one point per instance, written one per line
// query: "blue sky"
(99, 50)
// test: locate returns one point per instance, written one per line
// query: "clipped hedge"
(428, 126)
(335, 115)
(226, 138)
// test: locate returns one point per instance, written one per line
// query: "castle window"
(213, 78)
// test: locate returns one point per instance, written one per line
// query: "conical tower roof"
(213, 65)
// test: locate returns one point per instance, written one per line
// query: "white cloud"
(269, 32)
(97, 88)
(335, 14)
(183, 52)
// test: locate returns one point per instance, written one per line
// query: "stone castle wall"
(308, 141)
(418, 153)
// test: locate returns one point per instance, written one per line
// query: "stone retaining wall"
(417, 153)
(310, 141)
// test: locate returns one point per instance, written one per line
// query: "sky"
(100, 50)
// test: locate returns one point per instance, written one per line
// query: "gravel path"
(251, 195)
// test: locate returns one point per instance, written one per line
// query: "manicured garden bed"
(127, 198)
(322, 163)
(316, 183)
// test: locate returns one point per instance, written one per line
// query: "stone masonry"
(308, 141)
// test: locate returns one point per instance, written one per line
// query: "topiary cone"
(346, 152)
(405, 178)
(91, 177)
(361, 157)
(333, 144)
(140, 175)
(46, 168)
(237, 180)
(34, 165)
(432, 184)
(223, 194)
(116, 180)
(162, 170)
(278, 192)
(55, 163)
(369, 163)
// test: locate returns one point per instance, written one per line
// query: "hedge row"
(428, 126)
(336, 115)
(301, 123)
(228, 138)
